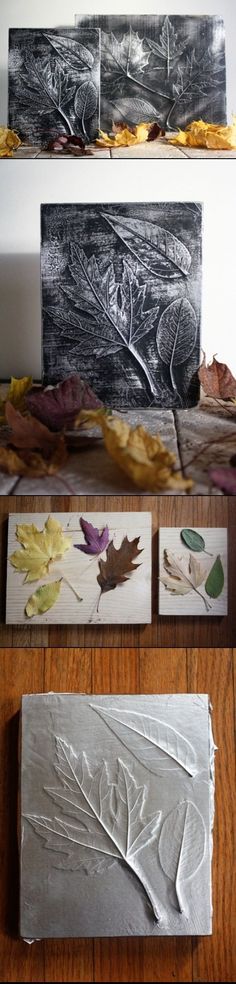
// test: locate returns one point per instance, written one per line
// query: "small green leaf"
(215, 580)
(43, 599)
(193, 540)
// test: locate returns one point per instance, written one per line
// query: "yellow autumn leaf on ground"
(15, 394)
(209, 135)
(40, 548)
(124, 137)
(43, 599)
(141, 455)
(8, 141)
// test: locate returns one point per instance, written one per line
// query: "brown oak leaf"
(217, 380)
(118, 564)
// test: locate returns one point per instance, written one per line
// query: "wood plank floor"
(120, 671)
(164, 631)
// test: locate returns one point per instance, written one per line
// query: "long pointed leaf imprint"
(155, 744)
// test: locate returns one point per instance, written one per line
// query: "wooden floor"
(120, 671)
(164, 631)
(209, 426)
(155, 149)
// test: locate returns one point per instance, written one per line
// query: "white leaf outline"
(185, 814)
(131, 799)
(166, 734)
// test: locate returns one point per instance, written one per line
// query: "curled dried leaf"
(217, 380)
(9, 141)
(57, 407)
(141, 455)
(212, 136)
(124, 135)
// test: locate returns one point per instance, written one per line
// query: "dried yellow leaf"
(8, 141)
(40, 548)
(15, 394)
(209, 135)
(141, 455)
(124, 137)
(43, 599)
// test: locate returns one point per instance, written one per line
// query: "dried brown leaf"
(118, 564)
(217, 380)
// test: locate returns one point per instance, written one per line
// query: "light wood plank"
(195, 602)
(80, 600)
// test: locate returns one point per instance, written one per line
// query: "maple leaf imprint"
(111, 825)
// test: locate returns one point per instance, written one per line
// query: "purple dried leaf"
(224, 479)
(58, 407)
(95, 542)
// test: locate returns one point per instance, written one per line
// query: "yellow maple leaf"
(8, 141)
(15, 394)
(40, 548)
(141, 455)
(201, 134)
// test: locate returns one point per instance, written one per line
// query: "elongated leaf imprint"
(85, 103)
(155, 744)
(156, 248)
(73, 52)
(110, 822)
(133, 110)
(182, 846)
(176, 334)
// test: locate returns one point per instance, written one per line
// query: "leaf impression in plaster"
(182, 846)
(155, 744)
(108, 818)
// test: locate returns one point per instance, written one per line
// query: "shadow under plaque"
(116, 815)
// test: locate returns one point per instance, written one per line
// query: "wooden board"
(80, 600)
(165, 630)
(193, 602)
(121, 671)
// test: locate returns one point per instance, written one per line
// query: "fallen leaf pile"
(58, 407)
(124, 135)
(213, 137)
(39, 548)
(142, 456)
(8, 142)
(27, 435)
(118, 565)
(217, 380)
